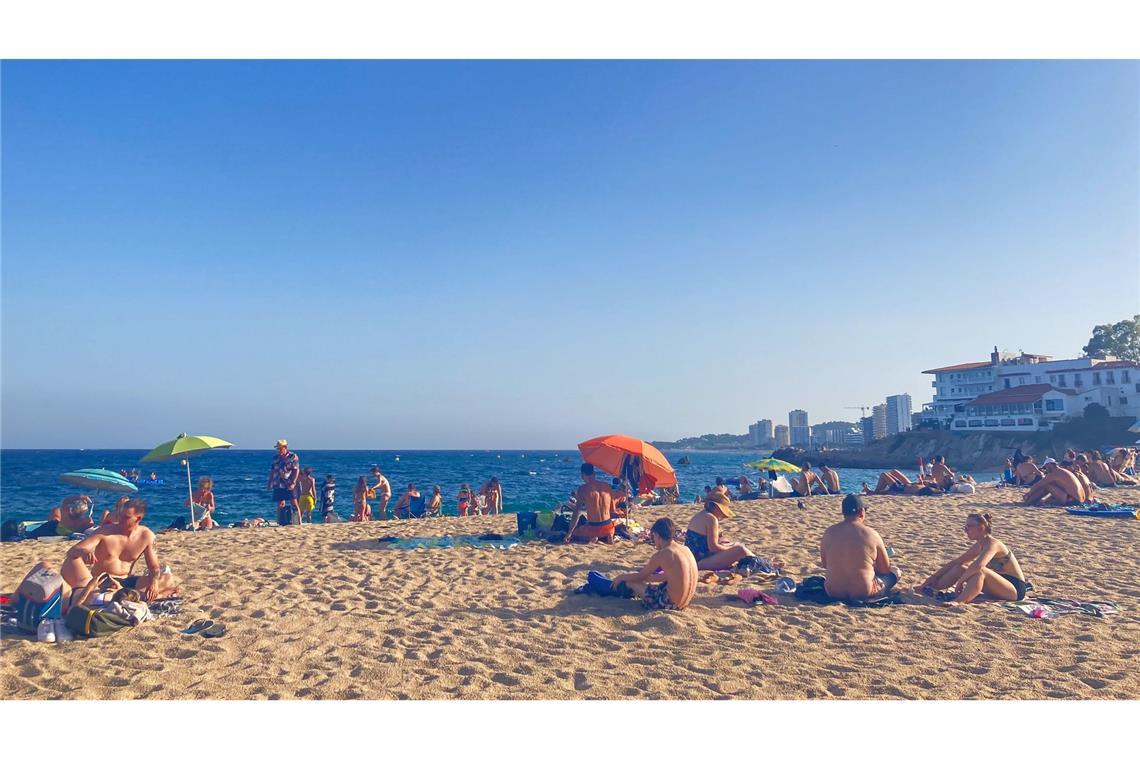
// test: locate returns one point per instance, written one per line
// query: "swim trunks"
(282, 494)
(697, 544)
(657, 597)
(128, 581)
(897, 488)
(588, 529)
(306, 503)
(1018, 584)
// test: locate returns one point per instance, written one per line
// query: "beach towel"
(812, 589)
(1051, 606)
(1099, 509)
(450, 542)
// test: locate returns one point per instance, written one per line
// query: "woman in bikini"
(703, 536)
(464, 500)
(361, 512)
(988, 567)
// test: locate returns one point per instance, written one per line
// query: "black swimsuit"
(698, 544)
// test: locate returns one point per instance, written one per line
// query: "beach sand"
(325, 612)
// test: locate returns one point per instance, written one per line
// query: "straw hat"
(721, 502)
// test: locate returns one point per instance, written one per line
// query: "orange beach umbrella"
(615, 454)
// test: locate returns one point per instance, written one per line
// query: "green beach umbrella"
(182, 447)
(775, 465)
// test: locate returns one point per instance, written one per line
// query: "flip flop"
(215, 631)
(198, 626)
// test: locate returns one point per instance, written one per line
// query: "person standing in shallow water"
(283, 476)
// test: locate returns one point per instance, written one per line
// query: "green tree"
(1095, 411)
(1122, 340)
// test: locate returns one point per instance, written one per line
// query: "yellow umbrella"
(775, 465)
(182, 447)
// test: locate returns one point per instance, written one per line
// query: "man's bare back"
(680, 571)
(853, 554)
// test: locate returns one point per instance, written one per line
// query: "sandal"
(198, 626)
(215, 631)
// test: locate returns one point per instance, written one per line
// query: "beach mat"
(487, 541)
(1119, 511)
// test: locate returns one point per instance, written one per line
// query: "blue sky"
(525, 254)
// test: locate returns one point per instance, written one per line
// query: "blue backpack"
(39, 596)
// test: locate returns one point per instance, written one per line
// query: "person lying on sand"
(894, 482)
(988, 567)
(596, 499)
(677, 565)
(1057, 486)
(1027, 473)
(702, 536)
(73, 515)
(113, 549)
(854, 556)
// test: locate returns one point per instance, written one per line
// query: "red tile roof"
(1022, 394)
(957, 367)
(1117, 364)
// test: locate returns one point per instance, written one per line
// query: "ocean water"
(532, 480)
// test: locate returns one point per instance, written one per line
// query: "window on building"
(1109, 400)
(1124, 376)
(1007, 383)
(1077, 382)
(1110, 377)
(1096, 378)
(1025, 421)
(1021, 381)
(1124, 401)
(1054, 405)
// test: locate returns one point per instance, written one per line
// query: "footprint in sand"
(1095, 683)
(581, 682)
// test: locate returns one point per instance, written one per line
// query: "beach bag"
(39, 597)
(91, 623)
(526, 521)
(11, 530)
(561, 524)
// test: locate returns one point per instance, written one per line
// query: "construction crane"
(862, 410)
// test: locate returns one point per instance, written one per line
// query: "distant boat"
(397, 457)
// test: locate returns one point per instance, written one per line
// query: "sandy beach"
(326, 612)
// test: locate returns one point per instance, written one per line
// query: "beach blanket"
(486, 541)
(1099, 509)
(812, 590)
(1050, 606)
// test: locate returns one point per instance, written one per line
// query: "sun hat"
(1049, 460)
(721, 502)
(281, 442)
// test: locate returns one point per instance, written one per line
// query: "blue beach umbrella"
(99, 480)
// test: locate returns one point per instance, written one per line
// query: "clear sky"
(526, 254)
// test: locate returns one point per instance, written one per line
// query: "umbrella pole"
(190, 489)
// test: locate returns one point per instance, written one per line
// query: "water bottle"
(62, 632)
(45, 631)
(785, 585)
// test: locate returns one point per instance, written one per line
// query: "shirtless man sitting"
(679, 570)
(1059, 485)
(596, 499)
(830, 479)
(113, 549)
(1102, 473)
(943, 475)
(1027, 473)
(854, 556)
(803, 484)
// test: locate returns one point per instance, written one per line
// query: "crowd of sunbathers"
(857, 563)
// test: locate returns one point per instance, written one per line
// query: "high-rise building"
(868, 426)
(898, 413)
(879, 415)
(798, 428)
(783, 439)
(760, 433)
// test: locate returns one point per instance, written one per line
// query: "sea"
(532, 480)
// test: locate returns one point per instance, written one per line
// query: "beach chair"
(417, 506)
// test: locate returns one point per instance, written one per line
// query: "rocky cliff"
(978, 451)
